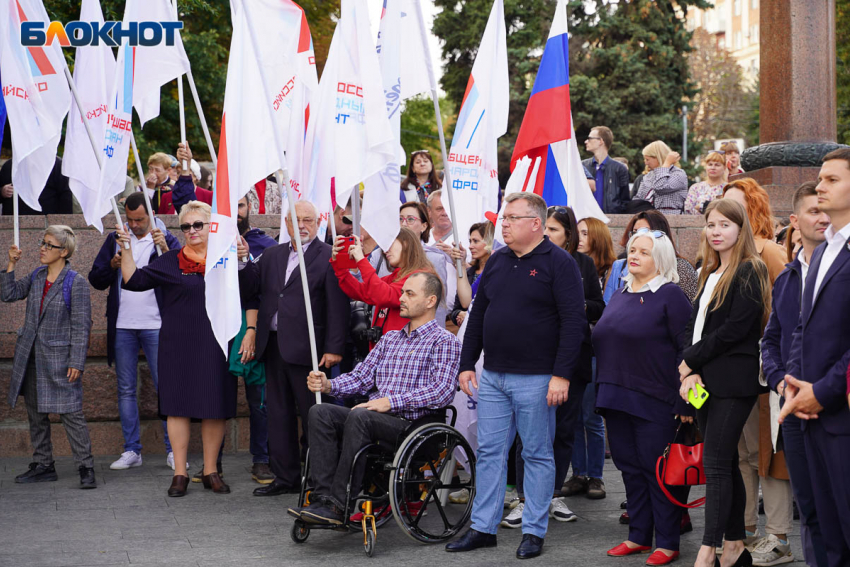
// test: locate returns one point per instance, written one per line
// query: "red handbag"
(681, 465)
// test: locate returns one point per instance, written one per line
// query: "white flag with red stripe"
(37, 98)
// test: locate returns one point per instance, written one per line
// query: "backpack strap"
(67, 286)
(35, 273)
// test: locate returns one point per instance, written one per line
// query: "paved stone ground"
(129, 520)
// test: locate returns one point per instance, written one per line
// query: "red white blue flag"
(547, 130)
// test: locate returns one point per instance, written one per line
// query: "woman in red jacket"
(406, 257)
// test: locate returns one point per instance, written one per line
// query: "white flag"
(483, 118)
(37, 98)
(94, 73)
(154, 65)
(351, 135)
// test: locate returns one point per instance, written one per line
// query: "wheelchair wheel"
(422, 477)
(369, 545)
(299, 532)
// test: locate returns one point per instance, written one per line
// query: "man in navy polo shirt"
(529, 319)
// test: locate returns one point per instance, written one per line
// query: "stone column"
(798, 96)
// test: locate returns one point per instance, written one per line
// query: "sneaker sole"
(778, 561)
(123, 468)
(505, 524)
(572, 518)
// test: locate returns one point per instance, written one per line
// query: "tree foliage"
(842, 46)
(419, 127)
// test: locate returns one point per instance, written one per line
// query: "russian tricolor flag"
(547, 131)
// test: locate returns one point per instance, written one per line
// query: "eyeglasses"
(197, 225)
(721, 152)
(514, 218)
(409, 220)
(654, 233)
(48, 246)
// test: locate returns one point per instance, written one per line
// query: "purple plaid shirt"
(416, 370)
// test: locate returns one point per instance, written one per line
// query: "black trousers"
(566, 419)
(336, 434)
(287, 397)
(721, 421)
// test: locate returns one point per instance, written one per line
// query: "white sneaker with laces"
(127, 460)
(511, 499)
(459, 497)
(771, 551)
(514, 519)
(169, 460)
(559, 510)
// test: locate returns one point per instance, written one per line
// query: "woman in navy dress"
(194, 382)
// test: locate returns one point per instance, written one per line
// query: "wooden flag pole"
(284, 180)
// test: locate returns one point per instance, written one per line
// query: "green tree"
(419, 127)
(842, 47)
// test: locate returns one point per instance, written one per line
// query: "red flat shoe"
(623, 550)
(661, 558)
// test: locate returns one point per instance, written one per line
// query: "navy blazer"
(784, 317)
(331, 311)
(102, 276)
(820, 350)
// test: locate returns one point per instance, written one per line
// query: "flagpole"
(141, 173)
(204, 127)
(284, 174)
(15, 213)
(94, 146)
(435, 97)
(180, 97)
(355, 210)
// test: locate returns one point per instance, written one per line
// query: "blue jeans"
(589, 456)
(127, 345)
(507, 404)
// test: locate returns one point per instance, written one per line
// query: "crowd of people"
(565, 347)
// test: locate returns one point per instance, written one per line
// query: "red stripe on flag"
(469, 85)
(222, 183)
(538, 129)
(304, 38)
(37, 53)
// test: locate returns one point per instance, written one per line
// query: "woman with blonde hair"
(50, 352)
(664, 183)
(194, 383)
(722, 355)
(702, 193)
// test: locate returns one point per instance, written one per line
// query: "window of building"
(739, 39)
(754, 33)
(737, 7)
(754, 4)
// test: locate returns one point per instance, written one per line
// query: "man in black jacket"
(55, 198)
(283, 341)
(612, 177)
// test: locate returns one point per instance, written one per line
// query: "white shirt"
(834, 242)
(138, 309)
(707, 291)
(804, 268)
(652, 285)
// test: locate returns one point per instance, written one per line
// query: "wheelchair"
(409, 482)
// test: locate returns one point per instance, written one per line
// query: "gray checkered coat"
(60, 338)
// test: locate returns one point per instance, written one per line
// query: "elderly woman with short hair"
(194, 382)
(50, 354)
(639, 342)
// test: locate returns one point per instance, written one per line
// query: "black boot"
(87, 478)
(38, 473)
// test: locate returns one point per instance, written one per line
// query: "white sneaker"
(459, 497)
(127, 460)
(511, 499)
(559, 510)
(771, 551)
(514, 519)
(169, 460)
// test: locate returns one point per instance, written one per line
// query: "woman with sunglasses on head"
(652, 220)
(194, 383)
(638, 343)
(50, 353)
(422, 178)
(723, 334)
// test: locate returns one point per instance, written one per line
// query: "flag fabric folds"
(350, 135)
(553, 141)
(37, 98)
(94, 71)
(483, 118)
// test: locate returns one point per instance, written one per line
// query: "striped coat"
(60, 338)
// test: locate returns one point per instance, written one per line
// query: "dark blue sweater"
(639, 343)
(528, 315)
(784, 317)
(258, 241)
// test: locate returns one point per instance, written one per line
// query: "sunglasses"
(420, 152)
(557, 209)
(48, 246)
(654, 233)
(197, 225)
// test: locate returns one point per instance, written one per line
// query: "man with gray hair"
(529, 320)
(282, 340)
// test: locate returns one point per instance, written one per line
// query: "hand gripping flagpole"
(284, 179)
(92, 140)
(433, 81)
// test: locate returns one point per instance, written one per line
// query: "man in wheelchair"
(408, 375)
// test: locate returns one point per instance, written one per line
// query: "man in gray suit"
(50, 354)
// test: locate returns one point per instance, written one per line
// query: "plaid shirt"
(666, 188)
(416, 370)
